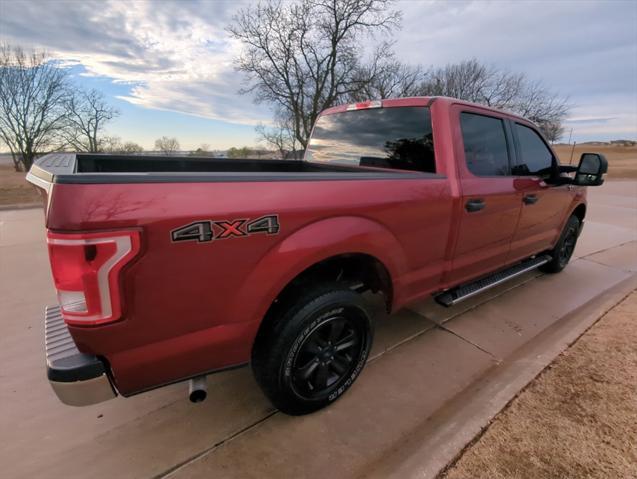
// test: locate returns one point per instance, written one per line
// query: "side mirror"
(591, 169)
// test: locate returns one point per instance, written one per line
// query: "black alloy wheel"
(568, 245)
(328, 355)
(563, 251)
(311, 352)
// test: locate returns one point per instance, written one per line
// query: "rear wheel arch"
(308, 246)
(359, 271)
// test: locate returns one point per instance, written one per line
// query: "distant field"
(622, 162)
(14, 190)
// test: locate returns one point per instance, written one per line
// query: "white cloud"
(177, 56)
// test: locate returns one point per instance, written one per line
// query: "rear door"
(544, 206)
(491, 204)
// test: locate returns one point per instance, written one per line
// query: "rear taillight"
(86, 271)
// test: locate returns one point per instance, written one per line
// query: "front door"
(491, 204)
(544, 206)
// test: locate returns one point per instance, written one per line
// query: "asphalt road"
(423, 359)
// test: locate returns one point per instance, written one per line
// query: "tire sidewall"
(308, 318)
(571, 224)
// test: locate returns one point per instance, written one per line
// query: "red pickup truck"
(171, 268)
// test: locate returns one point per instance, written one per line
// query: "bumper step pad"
(64, 362)
(78, 379)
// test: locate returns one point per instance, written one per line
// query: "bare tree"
(114, 144)
(111, 144)
(87, 114)
(131, 148)
(552, 131)
(279, 136)
(546, 109)
(386, 77)
(243, 152)
(167, 145)
(33, 92)
(203, 150)
(476, 82)
(302, 56)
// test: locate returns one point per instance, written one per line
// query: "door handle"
(474, 204)
(530, 199)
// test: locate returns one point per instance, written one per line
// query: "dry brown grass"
(622, 160)
(578, 419)
(14, 189)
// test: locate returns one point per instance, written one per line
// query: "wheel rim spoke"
(313, 345)
(346, 343)
(568, 246)
(320, 379)
(306, 371)
(339, 365)
(327, 356)
(336, 330)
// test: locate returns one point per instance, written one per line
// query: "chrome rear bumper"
(78, 379)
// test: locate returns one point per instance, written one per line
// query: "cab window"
(485, 145)
(395, 138)
(536, 158)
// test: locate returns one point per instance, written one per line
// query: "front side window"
(396, 138)
(485, 145)
(536, 158)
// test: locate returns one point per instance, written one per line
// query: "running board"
(465, 291)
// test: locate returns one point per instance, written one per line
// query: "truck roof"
(416, 101)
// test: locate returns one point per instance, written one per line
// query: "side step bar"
(465, 291)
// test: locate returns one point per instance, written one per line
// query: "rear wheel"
(314, 350)
(561, 254)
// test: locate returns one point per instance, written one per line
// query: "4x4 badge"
(207, 230)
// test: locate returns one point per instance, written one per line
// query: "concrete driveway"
(425, 360)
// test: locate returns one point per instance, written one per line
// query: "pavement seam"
(603, 250)
(403, 341)
(172, 470)
(475, 345)
(21, 206)
(624, 270)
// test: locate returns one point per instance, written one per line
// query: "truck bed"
(103, 168)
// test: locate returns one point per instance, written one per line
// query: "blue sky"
(168, 66)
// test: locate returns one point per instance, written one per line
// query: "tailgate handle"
(530, 199)
(474, 204)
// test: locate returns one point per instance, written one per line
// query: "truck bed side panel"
(187, 309)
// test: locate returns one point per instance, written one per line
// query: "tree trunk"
(17, 164)
(27, 161)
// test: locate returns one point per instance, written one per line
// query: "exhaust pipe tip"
(197, 389)
(198, 395)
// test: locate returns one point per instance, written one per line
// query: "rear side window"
(395, 138)
(485, 145)
(535, 157)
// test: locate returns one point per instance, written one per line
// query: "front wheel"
(314, 351)
(561, 254)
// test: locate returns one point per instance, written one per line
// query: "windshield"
(398, 138)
